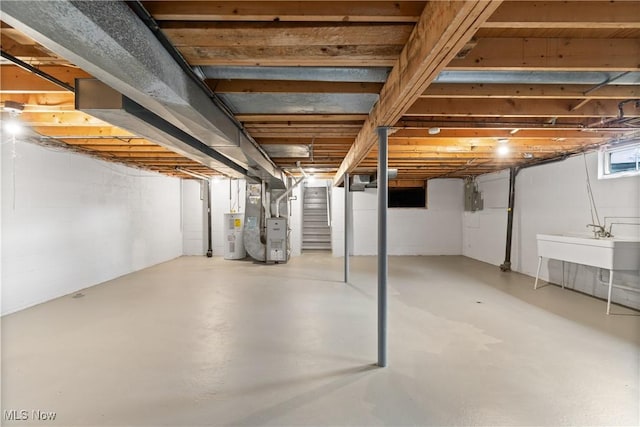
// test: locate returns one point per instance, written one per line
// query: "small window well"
(410, 197)
(619, 160)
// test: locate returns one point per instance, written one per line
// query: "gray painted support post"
(347, 212)
(383, 198)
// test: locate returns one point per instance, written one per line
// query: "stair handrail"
(328, 203)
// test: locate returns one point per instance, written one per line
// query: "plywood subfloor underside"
(199, 341)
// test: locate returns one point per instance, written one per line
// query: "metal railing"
(328, 185)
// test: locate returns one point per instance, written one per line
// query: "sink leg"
(535, 285)
(609, 293)
(562, 275)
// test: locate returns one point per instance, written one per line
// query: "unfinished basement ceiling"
(546, 78)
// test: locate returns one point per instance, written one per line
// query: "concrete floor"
(199, 341)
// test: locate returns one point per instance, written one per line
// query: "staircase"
(316, 233)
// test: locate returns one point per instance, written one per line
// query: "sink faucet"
(599, 231)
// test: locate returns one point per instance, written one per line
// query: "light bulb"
(503, 150)
(13, 127)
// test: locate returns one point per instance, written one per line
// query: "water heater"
(234, 244)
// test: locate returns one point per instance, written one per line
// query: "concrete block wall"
(70, 221)
(436, 230)
(552, 199)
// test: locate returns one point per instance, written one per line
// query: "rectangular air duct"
(359, 182)
(99, 100)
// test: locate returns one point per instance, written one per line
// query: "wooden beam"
(266, 34)
(442, 30)
(278, 11)
(75, 118)
(517, 108)
(16, 49)
(83, 131)
(566, 14)
(557, 33)
(452, 144)
(14, 79)
(128, 142)
(540, 91)
(330, 55)
(288, 86)
(478, 122)
(146, 150)
(470, 133)
(462, 144)
(552, 54)
(35, 102)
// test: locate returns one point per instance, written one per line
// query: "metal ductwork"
(260, 202)
(391, 174)
(109, 41)
(96, 98)
(359, 182)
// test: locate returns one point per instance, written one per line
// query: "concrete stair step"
(317, 246)
(316, 239)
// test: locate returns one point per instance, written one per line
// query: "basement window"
(409, 197)
(619, 160)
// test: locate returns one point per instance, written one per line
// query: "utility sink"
(612, 253)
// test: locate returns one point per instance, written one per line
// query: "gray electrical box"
(472, 197)
(276, 240)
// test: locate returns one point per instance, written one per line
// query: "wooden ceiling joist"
(551, 54)
(297, 11)
(15, 79)
(41, 101)
(273, 34)
(470, 133)
(535, 91)
(566, 14)
(293, 56)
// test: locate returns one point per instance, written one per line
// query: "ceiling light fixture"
(503, 150)
(503, 147)
(14, 127)
(434, 131)
(13, 108)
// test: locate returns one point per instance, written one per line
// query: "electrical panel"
(472, 197)
(276, 236)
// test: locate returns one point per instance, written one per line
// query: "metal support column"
(207, 187)
(506, 265)
(347, 227)
(383, 200)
